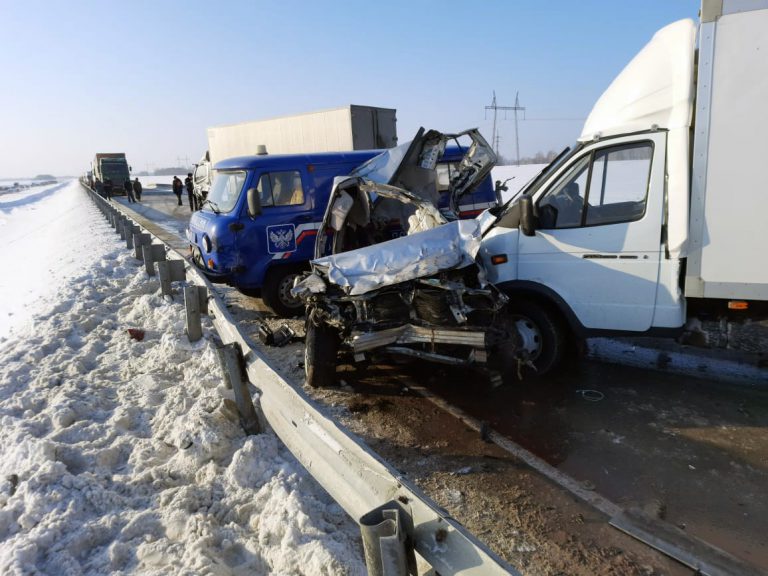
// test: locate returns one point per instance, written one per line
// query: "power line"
(495, 107)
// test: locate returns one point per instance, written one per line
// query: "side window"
(607, 187)
(281, 189)
(619, 184)
(265, 191)
(563, 205)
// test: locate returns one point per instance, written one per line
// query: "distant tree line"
(172, 171)
(538, 158)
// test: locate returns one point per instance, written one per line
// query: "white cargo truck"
(351, 127)
(660, 210)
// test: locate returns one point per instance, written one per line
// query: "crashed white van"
(401, 276)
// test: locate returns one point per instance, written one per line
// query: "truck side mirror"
(527, 219)
(254, 202)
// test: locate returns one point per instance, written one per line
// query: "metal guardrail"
(363, 484)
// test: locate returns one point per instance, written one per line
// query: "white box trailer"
(350, 127)
(728, 236)
(659, 211)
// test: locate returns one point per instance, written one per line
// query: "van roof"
(291, 160)
(452, 153)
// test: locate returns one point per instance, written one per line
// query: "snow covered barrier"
(126, 456)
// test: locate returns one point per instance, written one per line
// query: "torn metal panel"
(453, 245)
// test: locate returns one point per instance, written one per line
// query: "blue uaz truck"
(256, 230)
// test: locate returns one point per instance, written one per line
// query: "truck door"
(279, 234)
(598, 242)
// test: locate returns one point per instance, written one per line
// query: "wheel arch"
(545, 296)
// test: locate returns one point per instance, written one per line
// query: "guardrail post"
(130, 232)
(171, 271)
(140, 240)
(233, 366)
(124, 224)
(202, 299)
(119, 226)
(385, 541)
(192, 305)
(152, 253)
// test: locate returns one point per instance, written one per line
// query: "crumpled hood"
(453, 245)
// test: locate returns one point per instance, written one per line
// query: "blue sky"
(147, 78)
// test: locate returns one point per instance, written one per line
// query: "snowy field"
(120, 456)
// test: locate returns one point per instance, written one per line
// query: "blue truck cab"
(256, 230)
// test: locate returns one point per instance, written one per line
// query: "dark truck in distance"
(114, 166)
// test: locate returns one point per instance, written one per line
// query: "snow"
(124, 456)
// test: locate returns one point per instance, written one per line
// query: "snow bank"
(125, 456)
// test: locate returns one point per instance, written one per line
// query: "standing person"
(189, 185)
(99, 187)
(128, 185)
(177, 188)
(137, 189)
(108, 189)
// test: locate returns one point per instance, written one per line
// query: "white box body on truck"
(661, 205)
(345, 128)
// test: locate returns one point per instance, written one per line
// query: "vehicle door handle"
(304, 218)
(236, 226)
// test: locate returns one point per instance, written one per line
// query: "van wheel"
(540, 337)
(321, 349)
(276, 292)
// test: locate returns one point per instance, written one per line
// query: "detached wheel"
(276, 292)
(321, 349)
(541, 337)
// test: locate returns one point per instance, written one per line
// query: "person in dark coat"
(137, 189)
(128, 185)
(190, 186)
(108, 188)
(177, 188)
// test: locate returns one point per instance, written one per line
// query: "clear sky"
(147, 77)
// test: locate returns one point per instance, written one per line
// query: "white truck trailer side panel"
(334, 130)
(729, 230)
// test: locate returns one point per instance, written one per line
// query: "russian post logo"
(281, 238)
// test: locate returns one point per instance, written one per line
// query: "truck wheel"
(321, 348)
(276, 292)
(541, 337)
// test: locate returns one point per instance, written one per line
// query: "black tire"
(540, 333)
(321, 349)
(276, 292)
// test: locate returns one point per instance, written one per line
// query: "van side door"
(598, 241)
(278, 234)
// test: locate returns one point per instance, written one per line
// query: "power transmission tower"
(495, 107)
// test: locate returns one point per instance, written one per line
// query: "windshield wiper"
(213, 205)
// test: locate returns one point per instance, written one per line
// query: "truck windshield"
(224, 192)
(535, 183)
